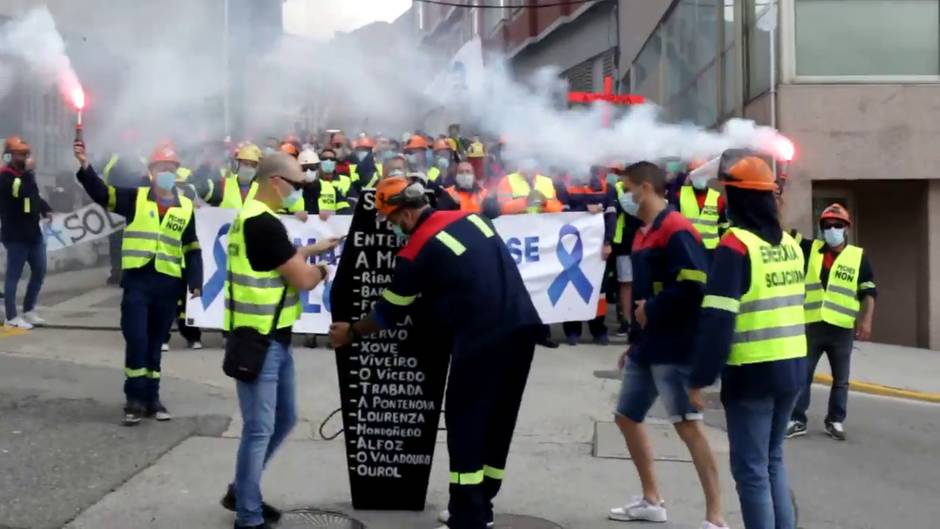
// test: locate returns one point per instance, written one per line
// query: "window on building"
(690, 44)
(647, 69)
(867, 37)
(729, 82)
(760, 18)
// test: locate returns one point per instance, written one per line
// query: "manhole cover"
(521, 521)
(317, 519)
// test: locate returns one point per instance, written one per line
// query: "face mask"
(310, 175)
(835, 237)
(388, 155)
(361, 155)
(412, 158)
(269, 151)
(328, 166)
(399, 231)
(612, 179)
(291, 199)
(443, 163)
(246, 175)
(464, 180)
(429, 154)
(166, 181)
(628, 204)
(699, 182)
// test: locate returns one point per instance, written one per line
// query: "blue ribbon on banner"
(216, 283)
(571, 264)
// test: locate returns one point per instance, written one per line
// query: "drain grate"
(318, 519)
(519, 521)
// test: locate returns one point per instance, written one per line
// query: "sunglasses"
(828, 225)
(296, 185)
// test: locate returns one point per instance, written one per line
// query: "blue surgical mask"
(443, 163)
(361, 155)
(628, 204)
(328, 166)
(835, 237)
(166, 180)
(699, 182)
(612, 179)
(246, 175)
(412, 158)
(291, 199)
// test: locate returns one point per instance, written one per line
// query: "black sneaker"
(795, 429)
(835, 430)
(624, 329)
(548, 342)
(262, 526)
(572, 339)
(133, 414)
(601, 340)
(271, 514)
(159, 412)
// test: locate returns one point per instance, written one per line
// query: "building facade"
(855, 85)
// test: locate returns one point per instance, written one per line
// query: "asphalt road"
(61, 448)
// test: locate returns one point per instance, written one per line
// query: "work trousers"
(836, 343)
(190, 334)
(148, 309)
(484, 393)
(115, 242)
(18, 255)
(597, 326)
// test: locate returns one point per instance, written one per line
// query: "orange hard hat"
(416, 142)
(15, 144)
(396, 192)
(364, 142)
(441, 145)
(836, 212)
(290, 148)
(164, 153)
(746, 170)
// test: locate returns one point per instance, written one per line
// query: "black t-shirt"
(267, 247)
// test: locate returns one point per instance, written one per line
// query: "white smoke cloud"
(34, 41)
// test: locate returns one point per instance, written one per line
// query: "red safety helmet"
(164, 153)
(835, 212)
(441, 145)
(364, 142)
(290, 148)
(15, 144)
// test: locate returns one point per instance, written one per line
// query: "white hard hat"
(308, 157)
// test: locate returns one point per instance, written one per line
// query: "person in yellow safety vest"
(321, 197)
(444, 164)
(704, 206)
(840, 307)
(343, 183)
(266, 273)
(527, 191)
(160, 257)
(622, 247)
(364, 167)
(125, 169)
(238, 187)
(752, 335)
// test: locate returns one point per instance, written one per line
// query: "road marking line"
(885, 391)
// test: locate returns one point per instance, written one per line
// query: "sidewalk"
(892, 371)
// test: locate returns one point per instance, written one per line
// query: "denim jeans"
(18, 254)
(269, 412)
(756, 429)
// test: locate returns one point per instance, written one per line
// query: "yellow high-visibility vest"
(148, 238)
(838, 303)
(520, 188)
(704, 220)
(254, 295)
(770, 323)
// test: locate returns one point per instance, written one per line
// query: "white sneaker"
(18, 323)
(444, 517)
(195, 345)
(639, 509)
(165, 347)
(708, 525)
(33, 317)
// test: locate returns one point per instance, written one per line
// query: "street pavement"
(64, 459)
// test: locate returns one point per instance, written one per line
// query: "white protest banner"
(87, 224)
(558, 256)
(212, 225)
